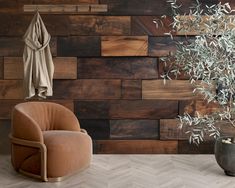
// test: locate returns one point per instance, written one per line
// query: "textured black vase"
(225, 156)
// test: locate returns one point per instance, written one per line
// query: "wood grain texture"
(126, 109)
(78, 46)
(1, 68)
(135, 147)
(169, 130)
(65, 25)
(143, 109)
(123, 68)
(7, 106)
(14, 46)
(65, 68)
(87, 89)
(11, 89)
(98, 128)
(134, 129)
(161, 46)
(92, 109)
(131, 89)
(202, 107)
(172, 90)
(184, 147)
(5, 128)
(124, 46)
(144, 25)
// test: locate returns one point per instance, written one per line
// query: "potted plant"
(208, 61)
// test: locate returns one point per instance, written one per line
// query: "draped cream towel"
(38, 64)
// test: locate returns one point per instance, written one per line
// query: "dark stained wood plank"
(7, 106)
(65, 68)
(144, 25)
(5, 129)
(123, 68)
(184, 147)
(14, 46)
(150, 7)
(99, 25)
(131, 89)
(11, 89)
(78, 46)
(65, 25)
(92, 109)
(169, 130)
(1, 68)
(172, 89)
(98, 129)
(201, 106)
(87, 89)
(143, 109)
(161, 46)
(135, 147)
(11, 46)
(124, 46)
(134, 129)
(126, 109)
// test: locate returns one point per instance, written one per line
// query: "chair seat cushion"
(67, 152)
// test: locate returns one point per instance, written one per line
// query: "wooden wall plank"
(135, 147)
(5, 129)
(87, 89)
(201, 106)
(78, 46)
(96, 128)
(143, 109)
(169, 130)
(11, 89)
(185, 147)
(14, 46)
(126, 109)
(7, 106)
(131, 89)
(124, 68)
(143, 25)
(65, 25)
(150, 7)
(124, 46)
(65, 68)
(172, 89)
(92, 109)
(1, 68)
(161, 46)
(134, 129)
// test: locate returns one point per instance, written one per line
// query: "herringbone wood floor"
(132, 171)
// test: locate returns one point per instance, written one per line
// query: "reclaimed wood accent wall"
(107, 70)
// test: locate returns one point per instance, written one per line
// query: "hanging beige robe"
(37, 58)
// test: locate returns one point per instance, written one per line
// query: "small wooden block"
(172, 90)
(124, 46)
(99, 8)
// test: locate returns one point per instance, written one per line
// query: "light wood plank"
(172, 90)
(65, 68)
(124, 46)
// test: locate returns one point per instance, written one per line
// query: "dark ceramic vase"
(225, 156)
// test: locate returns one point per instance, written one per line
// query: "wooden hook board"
(81, 8)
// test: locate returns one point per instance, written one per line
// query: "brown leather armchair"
(47, 141)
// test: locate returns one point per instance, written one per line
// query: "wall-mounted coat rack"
(81, 8)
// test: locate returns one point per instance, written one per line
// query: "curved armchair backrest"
(43, 116)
